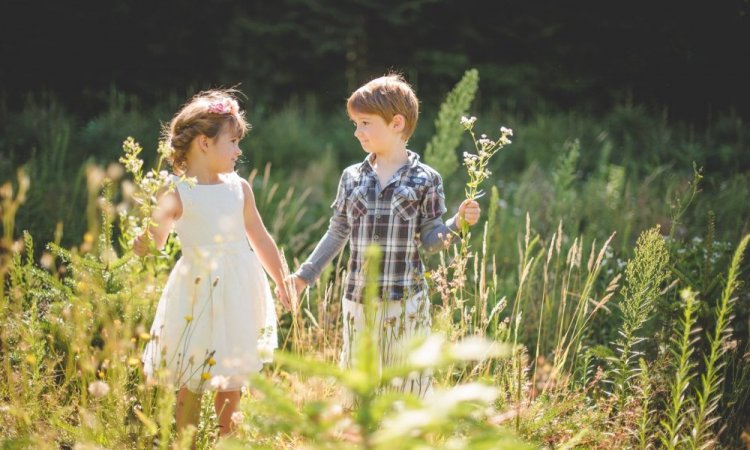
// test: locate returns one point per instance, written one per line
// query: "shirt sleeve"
(432, 231)
(332, 242)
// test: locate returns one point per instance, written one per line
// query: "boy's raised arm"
(434, 234)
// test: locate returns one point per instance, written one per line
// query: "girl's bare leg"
(226, 404)
(187, 410)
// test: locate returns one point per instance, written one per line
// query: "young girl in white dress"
(215, 323)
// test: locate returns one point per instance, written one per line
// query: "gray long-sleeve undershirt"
(433, 234)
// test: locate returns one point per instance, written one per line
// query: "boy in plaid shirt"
(393, 200)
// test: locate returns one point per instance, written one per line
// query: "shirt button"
(376, 237)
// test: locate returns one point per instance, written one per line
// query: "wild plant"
(679, 407)
(440, 152)
(709, 394)
(646, 409)
(645, 276)
(461, 416)
(150, 184)
(9, 205)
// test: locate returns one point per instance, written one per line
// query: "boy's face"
(375, 135)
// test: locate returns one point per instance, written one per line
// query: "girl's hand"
(140, 244)
(283, 297)
(468, 212)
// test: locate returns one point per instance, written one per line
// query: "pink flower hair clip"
(225, 106)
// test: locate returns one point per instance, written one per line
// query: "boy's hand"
(140, 244)
(283, 295)
(469, 212)
(299, 283)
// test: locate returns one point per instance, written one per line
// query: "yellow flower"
(31, 359)
(206, 376)
(133, 361)
(211, 362)
(88, 238)
(144, 336)
(188, 318)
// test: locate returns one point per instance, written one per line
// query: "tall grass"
(535, 344)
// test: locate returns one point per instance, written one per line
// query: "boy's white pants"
(396, 322)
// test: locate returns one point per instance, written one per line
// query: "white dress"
(215, 323)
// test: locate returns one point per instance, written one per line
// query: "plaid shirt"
(397, 217)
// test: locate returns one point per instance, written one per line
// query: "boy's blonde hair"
(387, 96)
(207, 113)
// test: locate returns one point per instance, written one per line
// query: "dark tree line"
(687, 56)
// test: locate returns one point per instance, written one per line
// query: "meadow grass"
(565, 319)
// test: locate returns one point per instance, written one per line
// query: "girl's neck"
(203, 176)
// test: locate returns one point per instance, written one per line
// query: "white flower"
(238, 417)
(506, 131)
(407, 422)
(486, 143)
(428, 354)
(468, 122)
(165, 148)
(219, 382)
(476, 348)
(471, 392)
(98, 389)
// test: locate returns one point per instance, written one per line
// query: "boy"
(395, 201)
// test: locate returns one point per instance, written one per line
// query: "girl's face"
(374, 134)
(223, 151)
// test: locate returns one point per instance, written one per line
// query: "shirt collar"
(412, 163)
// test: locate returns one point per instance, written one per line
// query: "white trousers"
(396, 322)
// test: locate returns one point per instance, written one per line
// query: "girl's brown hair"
(207, 113)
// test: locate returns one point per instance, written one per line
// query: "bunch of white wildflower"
(476, 163)
(148, 184)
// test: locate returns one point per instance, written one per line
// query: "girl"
(215, 323)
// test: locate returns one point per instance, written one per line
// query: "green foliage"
(709, 394)
(645, 276)
(643, 422)
(75, 313)
(678, 405)
(440, 152)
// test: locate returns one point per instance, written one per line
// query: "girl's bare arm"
(168, 209)
(262, 242)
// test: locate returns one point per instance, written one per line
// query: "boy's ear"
(398, 123)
